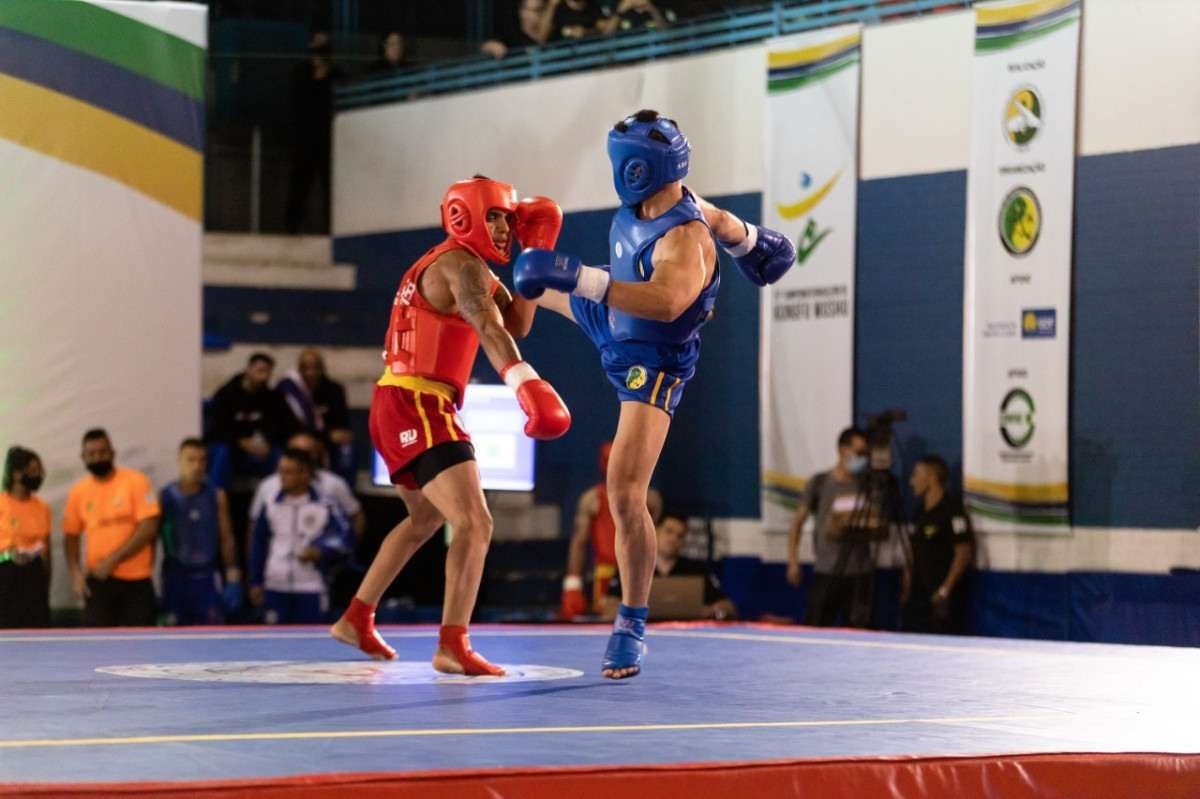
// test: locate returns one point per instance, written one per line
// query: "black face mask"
(32, 482)
(100, 468)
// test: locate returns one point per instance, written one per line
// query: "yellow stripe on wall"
(1018, 12)
(69, 130)
(785, 480)
(1017, 492)
(816, 52)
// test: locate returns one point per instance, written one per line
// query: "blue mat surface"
(84, 706)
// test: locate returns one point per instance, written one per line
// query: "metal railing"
(693, 36)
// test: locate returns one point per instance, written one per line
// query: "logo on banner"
(1023, 117)
(1016, 418)
(813, 235)
(1039, 323)
(1020, 220)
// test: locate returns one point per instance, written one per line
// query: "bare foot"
(445, 662)
(620, 674)
(377, 648)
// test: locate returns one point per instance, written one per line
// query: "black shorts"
(432, 462)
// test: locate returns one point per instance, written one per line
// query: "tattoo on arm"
(474, 295)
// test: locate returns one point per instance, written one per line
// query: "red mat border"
(1039, 776)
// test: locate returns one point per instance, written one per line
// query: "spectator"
(594, 523)
(573, 19)
(118, 510)
(842, 571)
(942, 550)
(312, 117)
(392, 54)
(670, 534)
(627, 15)
(319, 406)
(197, 537)
(24, 543)
(536, 18)
(296, 535)
(248, 422)
(327, 484)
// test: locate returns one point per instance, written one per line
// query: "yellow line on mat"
(417, 733)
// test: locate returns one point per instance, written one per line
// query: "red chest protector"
(422, 341)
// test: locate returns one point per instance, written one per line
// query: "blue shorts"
(191, 595)
(655, 374)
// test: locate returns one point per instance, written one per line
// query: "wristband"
(592, 284)
(746, 244)
(572, 582)
(517, 373)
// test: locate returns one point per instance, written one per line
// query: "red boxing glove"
(574, 603)
(547, 414)
(539, 220)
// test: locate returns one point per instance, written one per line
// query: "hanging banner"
(807, 354)
(1016, 357)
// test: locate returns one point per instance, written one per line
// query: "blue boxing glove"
(231, 596)
(764, 255)
(537, 270)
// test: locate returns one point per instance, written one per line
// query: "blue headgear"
(643, 165)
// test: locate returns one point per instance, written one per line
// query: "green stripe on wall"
(986, 44)
(790, 84)
(130, 44)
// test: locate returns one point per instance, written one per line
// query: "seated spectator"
(296, 536)
(628, 15)
(671, 532)
(319, 406)
(24, 543)
(392, 55)
(594, 524)
(117, 508)
(248, 423)
(197, 537)
(327, 484)
(942, 551)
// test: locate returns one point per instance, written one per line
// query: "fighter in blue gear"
(644, 314)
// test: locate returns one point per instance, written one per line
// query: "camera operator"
(841, 582)
(942, 541)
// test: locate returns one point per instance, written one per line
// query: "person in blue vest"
(197, 538)
(644, 314)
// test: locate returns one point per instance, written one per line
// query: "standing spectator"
(319, 406)
(594, 524)
(118, 510)
(295, 536)
(392, 55)
(312, 117)
(628, 15)
(842, 571)
(327, 484)
(24, 543)
(248, 422)
(197, 536)
(942, 550)
(671, 531)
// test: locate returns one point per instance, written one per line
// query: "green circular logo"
(1020, 220)
(1016, 418)
(635, 378)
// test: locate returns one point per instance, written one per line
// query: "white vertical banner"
(810, 194)
(1020, 207)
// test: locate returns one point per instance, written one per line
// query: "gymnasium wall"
(1135, 441)
(101, 151)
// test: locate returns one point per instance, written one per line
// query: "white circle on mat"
(299, 672)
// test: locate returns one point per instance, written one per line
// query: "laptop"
(677, 598)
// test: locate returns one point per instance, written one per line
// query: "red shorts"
(406, 423)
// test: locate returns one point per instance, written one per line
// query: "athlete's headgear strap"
(646, 156)
(464, 215)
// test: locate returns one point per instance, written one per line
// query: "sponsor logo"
(1039, 323)
(406, 293)
(1023, 117)
(813, 233)
(1020, 221)
(1016, 418)
(619, 249)
(635, 378)
(408, 438)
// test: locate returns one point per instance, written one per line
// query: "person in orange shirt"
(24, 543)
(118, 509)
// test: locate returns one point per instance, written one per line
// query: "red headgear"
(464, 215)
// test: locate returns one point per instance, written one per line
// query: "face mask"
(100, 468)
(857, 464)
(31, 482)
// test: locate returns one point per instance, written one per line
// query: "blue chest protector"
(631, 248)
(190, 532)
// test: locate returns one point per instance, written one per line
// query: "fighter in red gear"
(448, 304)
